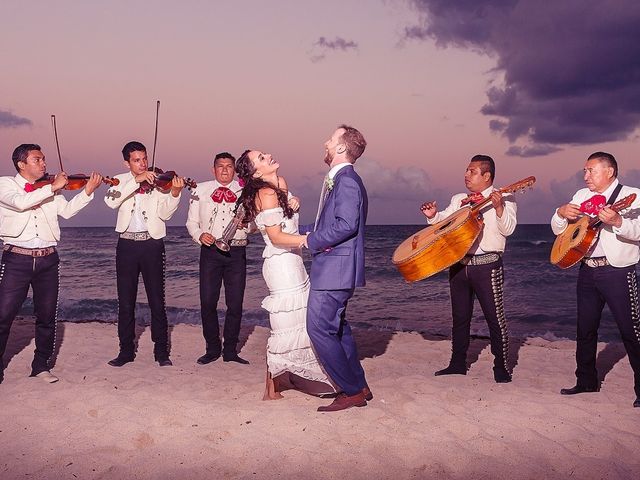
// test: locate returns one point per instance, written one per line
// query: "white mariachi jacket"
(157, 207)
(207, 216)
(17, 207)
(621, 245)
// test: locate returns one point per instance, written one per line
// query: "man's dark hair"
(226, 155)
(21, 153)
(131, 147)
(607, 158)
(354, 141)
(486, 164)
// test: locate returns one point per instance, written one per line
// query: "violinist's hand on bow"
(610, 217)
(177, 184)
(569, 211)
(146, 176)
(93, 183)
(294, 203)
(207, 239)
(59, 182)
(429, 209)
(498, 203)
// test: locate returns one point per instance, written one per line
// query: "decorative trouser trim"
(497, 286)
(486, 283)
(617, 288)
(632, 281)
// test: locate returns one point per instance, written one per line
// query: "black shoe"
(121, 360)
(207, 358)
(234, 358)
(452, 370)
(501, 376)
(164, 362)
(637, 402)
(578, 389)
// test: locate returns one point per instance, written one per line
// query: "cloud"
(571, 68)
(9, 120)
(395, 193)
(323, 45)
(536, 150)
(388, 183)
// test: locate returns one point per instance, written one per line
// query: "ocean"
(540, 299)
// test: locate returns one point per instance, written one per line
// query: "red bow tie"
(593, 205)
(223, 193)
(28, 187)
(473, 198)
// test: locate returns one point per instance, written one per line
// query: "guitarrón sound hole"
(445, 225)
(575, 234)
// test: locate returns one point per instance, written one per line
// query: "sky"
(537, 85)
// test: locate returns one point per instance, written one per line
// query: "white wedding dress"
(289, 347)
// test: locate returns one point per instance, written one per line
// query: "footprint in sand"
(144, 440)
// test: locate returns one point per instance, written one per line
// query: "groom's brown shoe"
(344, 401)
(368, 396)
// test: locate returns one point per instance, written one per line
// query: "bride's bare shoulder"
(266, 199)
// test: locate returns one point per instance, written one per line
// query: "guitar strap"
(610, 202)
(614, 195)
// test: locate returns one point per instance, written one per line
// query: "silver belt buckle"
(238, 243)
(595, 262)
(482, 259)
(135, 236)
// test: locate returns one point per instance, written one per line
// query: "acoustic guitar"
(573, 244)
(442, 244)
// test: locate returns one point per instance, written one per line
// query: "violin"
(163, 181)
(75, 181)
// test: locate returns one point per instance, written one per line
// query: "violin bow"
(55, 134)
(155, 138)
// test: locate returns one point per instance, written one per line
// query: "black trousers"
(486, 282)
(217, 267)
(17, 273)
(132, 258)
(618, 288)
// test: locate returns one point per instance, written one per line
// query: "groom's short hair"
(354, 141)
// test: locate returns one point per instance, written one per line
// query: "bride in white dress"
(291, 361)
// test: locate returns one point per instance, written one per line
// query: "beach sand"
(189, 421)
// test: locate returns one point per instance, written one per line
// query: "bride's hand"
(294, 203)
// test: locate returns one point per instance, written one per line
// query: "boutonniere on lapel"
(329, 184)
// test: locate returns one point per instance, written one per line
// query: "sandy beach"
(142, 421)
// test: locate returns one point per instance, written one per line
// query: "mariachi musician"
(480, 272)
(608, 271)
(211, 210)
(30, 232)
(143, 210)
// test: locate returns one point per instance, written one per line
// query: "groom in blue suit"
(337, 245)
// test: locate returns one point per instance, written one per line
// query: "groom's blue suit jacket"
(337, 244)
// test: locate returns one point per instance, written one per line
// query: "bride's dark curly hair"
(253, 185)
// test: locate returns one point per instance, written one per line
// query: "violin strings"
(155, 137)
(55, 134)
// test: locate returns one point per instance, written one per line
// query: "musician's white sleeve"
(508, 221)
(193, 218)
(455, 204)
(630, 228)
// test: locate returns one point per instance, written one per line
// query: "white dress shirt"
(155, 207)
(493, 236)
(30, 219)
(621, 245)
(207, 216)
